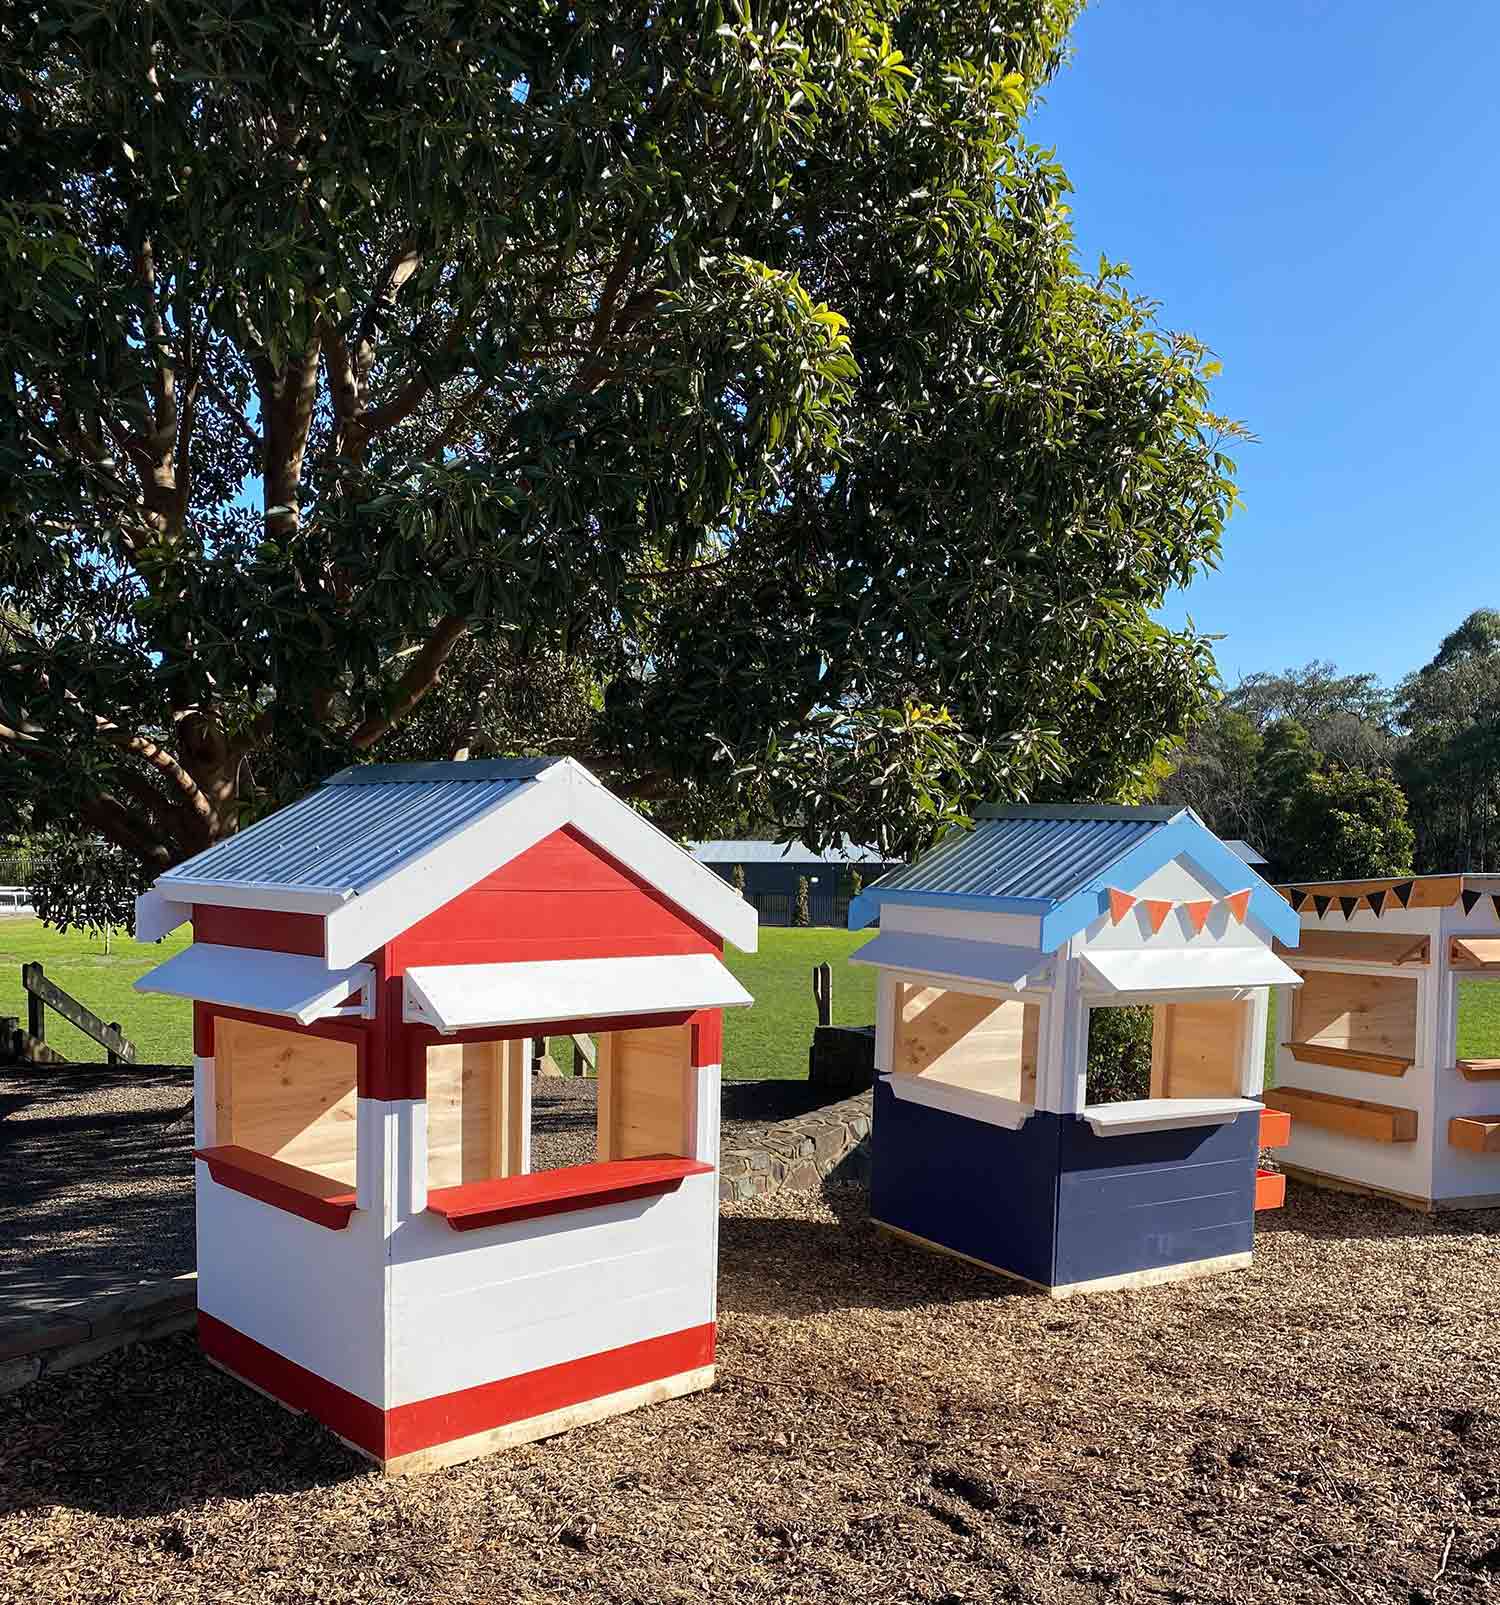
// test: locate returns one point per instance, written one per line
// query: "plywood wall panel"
(1375, 1013)
(1196, 1049)
(287, 1094)
(645, 1096)
(987, 1044)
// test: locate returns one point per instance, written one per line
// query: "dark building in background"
(772, 870)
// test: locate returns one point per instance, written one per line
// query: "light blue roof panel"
(356, 827)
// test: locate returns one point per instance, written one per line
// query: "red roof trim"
(558, 1192)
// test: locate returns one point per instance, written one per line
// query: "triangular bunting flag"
(1348, 904)
(1297, 900)
(1495, 899)
(1198, 912)
(1376, 900)
(1157, 909)
(1402, 893)
(1120, 904)
(1320, 904)
(1470, 899)
(1239, 904)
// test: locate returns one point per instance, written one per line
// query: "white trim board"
(956, 959)
(988, 1107)
(465, 997)
(294, 985)
(1163, 1114)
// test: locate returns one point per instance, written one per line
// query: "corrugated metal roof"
(357, 827)
(1027, 853)
(767, 852)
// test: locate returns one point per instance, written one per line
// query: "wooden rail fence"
(31, 1045)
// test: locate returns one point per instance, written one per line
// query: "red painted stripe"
(558, 1192)
(385, 1434)
(554, 1387)
(320, 1199)
(345, 1413)
(708, 1038)
(258, 927)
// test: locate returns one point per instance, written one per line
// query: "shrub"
(1119, 1054)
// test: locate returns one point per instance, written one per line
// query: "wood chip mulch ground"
(887, 1425)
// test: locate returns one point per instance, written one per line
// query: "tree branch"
(420, 677)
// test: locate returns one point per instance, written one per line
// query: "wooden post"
(36, 1010)
(822, 986)
(10, 1030)
(114, 1058)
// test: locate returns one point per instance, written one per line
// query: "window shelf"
(969, 1103)
(1479, 1069)
(1164, 1114)
(557, 1192)
(319, 1199)
(1380, 1064)
(1351, 1117)
(1480, 1134)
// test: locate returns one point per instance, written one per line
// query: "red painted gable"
(258, 927)
(564, 898)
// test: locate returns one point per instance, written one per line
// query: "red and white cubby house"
(367, 968)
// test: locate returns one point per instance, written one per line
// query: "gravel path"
(888, 1425)
(96, 1179)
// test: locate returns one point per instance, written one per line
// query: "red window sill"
(320, 1199)
(559, 1192)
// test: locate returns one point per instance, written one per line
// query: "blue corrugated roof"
(1031, 853)
(358, 826)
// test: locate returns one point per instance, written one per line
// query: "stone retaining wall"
(827, 1144)
(49, 1342)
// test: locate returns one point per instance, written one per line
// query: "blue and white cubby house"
(995, 951)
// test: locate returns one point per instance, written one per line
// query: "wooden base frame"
(1423, 1206)
(1152, 1276)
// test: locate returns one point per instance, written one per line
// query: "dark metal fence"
(780, 908)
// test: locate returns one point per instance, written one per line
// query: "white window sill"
(1164, 1114)
(989, 1107)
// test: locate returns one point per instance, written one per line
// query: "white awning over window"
(1183, 969)
(303, 989)
(467, 997)
(955, 958)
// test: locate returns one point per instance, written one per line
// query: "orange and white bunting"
(1198, 912)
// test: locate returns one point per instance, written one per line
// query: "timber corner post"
(370, 967)
(992, 954)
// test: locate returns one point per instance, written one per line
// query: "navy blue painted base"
(1057, 1204)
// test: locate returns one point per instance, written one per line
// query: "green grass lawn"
(771, 1039)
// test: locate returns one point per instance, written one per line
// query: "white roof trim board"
(1170, 969)
(290, 984)
(439, 833)
(466, 997)
(953, 958)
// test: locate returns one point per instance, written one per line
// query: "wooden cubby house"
(1367, 1057)
(367, 970)
(995, 951)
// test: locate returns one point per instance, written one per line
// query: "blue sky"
(1313, 188)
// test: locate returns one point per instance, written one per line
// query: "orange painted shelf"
(320, 1199)
(1480, 1134)
(1270, 1189)
(1275, 1128)
(557, 1192)
(1380, 1064)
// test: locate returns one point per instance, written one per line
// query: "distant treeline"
(1333, 774)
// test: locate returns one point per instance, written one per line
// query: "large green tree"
(708, 389)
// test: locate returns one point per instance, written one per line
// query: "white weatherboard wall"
(479, 1306)
(1457, 1172)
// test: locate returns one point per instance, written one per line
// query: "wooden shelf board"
(556, 1192)
(1479, 1069)
(1353, 1117)
(1480, 1134)
(319, 1199)
(1270, 1189)
(1380, 1064)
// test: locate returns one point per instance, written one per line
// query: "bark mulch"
(887, 1425)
